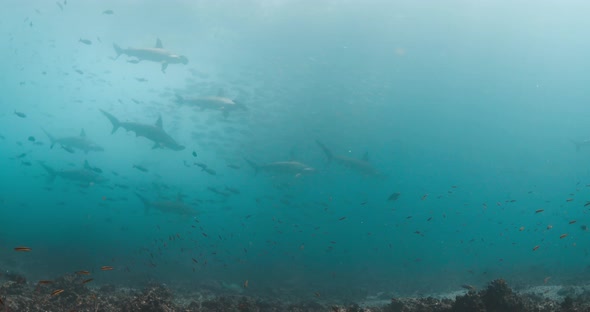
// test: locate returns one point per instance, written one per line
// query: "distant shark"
(176, 207)
(156, 54)
(77, 142)
(85, 174)
(362, 165)
(154, 133)
(580, 144)
(220, 103)
(282, 167)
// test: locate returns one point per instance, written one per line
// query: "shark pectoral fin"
(164, 66)
(159, 44)
(156, 145)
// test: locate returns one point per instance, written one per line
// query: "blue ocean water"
(447, 125)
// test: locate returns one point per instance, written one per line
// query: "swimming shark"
(156, 54)
(76, 142)
(282, 167)
(580, 144)
(153, 133)
(362, 166)
(177, 207)
(220, 103)
(84, 174)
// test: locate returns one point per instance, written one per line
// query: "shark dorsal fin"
(366, 156)
(159, 44)
(83, 133)
(159, 122)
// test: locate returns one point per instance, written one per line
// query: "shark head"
(183, 59)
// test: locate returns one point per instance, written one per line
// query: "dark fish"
(342, 218)
(140, 168)
(210, 171)
(584, 227)
(194, 154)
(87, 281)
(201, 165)
(85, 41)
(231, 189)
(141, 79)
(539, 210)
(31, 139)
(108, 12)
(21, 155)
(79, 71)
(133, 61)
(26, 163)
(393, 197)
(19, 114)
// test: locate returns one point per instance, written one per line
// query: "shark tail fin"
(51, 138)
(326, 150)
(52, 173)
(253, 165)
(144, 201)
(118, 50)
(113, 119)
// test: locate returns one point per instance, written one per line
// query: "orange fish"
(87, 281)
(246, 284)
(536, 247)
(22, 249)
(83, 272)
(57, 292)
(562, 236)
(45, 282)
(106, 268)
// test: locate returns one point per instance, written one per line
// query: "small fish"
(31, 139)
(108, 12)
(19, 114)
(246, 284)
(140, 168)
(233, 166)
(562, 236)
(25, 249)
(106, 268)
(587, 204)
(45, 282)
(26, 163)
(424, 197)
(393, 197)
(572, 222)
(539, 210)
(85, 41)
(521, 228)
(195, 260)
(83, 272)
(87, 281)
(342, 218)
(549, 227)
(584, 227)
(194, 154)
(133, 61)
(210, 171)
(56, 292)
(535, 248)
(468, 287)
(569, 200)
(317, 294)
(21, 155)
(141, 79)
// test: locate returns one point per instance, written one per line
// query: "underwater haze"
(341, 148)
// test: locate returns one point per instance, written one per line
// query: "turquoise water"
(466, 109)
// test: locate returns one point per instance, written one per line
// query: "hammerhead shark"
(362, 166)
(177, 207)
(156, 54)
(220, 103)
(85, 174)
(153, 133)
(77, 142)
(282, 167)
